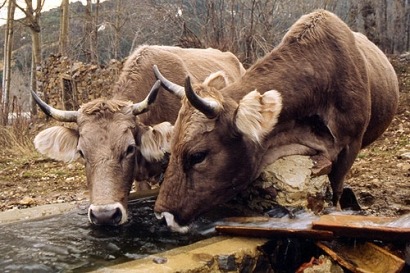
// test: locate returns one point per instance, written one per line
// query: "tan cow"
(116, 145)
(324, 91)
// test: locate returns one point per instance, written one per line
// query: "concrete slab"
(218, 254)
(15, 215)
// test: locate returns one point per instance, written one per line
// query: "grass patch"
(16, 139)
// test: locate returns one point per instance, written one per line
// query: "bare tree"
(32, 22)
(63, 37)
(91, 31)
(214, 22)
(407, 24)
(249, 28)
(399, 27)
(369, 16)
(117, 28)
(8, 48)
(383, 23)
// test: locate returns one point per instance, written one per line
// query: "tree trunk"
(384, 43)
(233, 37)
(8, 48)
(249, 46)
(368, 14)
(407, 24)
(36, 62)
(91, 32)
(63, 39)
(95, 34)
(32, 21)
(88, 30)
(117, 29)
(399, 27)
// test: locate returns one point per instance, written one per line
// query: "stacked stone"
(66, 84)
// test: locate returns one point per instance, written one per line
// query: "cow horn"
(209, 108)
(60, 115)
(168, 85)
(142, 107)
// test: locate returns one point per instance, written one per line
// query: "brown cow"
(118, 147)
(324, 91)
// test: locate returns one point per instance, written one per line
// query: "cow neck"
(296, 79)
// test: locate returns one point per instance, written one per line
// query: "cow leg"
(340, 168)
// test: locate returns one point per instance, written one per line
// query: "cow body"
(177, 63)
(118, 146)
(323, 91)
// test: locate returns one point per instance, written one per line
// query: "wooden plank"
(250, 231)
(363, 257)
(359, 226)
(326, 227)
(272, 227)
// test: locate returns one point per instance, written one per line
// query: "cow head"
(213, 147)
(110, 139)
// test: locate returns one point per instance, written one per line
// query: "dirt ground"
(380, 177)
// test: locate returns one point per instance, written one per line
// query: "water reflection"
(68, 243)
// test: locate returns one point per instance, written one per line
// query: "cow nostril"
(93, 218)
(117, 216)
(104, 216)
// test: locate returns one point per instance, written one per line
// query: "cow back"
(176, 64)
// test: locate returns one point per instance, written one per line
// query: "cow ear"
(156, 141)
(258, 114)
(217, 80)
(58, 142)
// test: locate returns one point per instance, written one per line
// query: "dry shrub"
(16, 138)
(15, 133)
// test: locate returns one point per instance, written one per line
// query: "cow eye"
(130, 150)
(192, 159)
(197, 158)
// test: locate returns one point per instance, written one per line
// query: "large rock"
(293, 181)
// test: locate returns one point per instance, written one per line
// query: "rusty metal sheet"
(363, 257)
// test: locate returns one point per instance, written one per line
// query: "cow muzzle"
(110, 215)
(171, 223)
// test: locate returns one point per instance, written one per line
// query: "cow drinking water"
(323, 91)
(120, 140)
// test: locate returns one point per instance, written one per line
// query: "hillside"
(247, 28)
(132, 30)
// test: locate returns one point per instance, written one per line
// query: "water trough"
(59, 238)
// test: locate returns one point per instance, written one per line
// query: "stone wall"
(66, 84)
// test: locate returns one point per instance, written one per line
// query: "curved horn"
(168, 85)
(208, 107)
(142, 107)
(60, 115)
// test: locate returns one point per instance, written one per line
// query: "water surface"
(68, 243)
